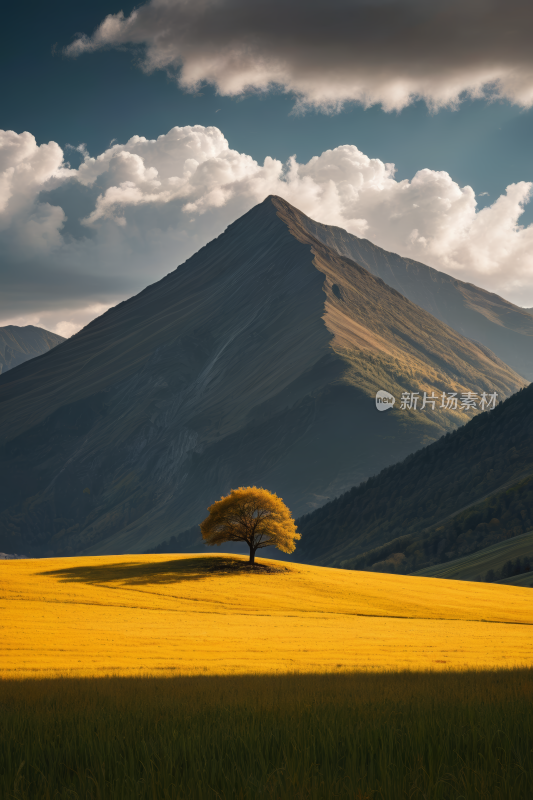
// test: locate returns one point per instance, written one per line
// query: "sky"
(132, 135)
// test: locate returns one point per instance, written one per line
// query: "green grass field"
(373, 736)
(476, 565)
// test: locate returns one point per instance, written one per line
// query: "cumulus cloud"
(76, 241)
(25, 170)
(369, 51)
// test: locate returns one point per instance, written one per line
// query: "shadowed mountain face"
(471, 489)
(255, 362)
(504, 328)
(18, 345)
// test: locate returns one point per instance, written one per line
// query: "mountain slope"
(475, 313)
(18, 344)
(476, 566)
(498, 517)
(255, 362)
(453, 497)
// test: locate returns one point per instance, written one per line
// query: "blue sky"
(103, 96)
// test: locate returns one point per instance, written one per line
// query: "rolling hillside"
(255, 362)
(474, 312)
(475, 566)
(19, 344)
(524, 580)
(498, 517)
(147, 615)
(439, 503)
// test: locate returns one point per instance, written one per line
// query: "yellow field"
(162, 614)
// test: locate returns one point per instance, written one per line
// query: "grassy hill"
(188, 677)
(525, 580)
(476, 565)
(157, 615)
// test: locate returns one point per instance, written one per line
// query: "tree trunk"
(252, 556)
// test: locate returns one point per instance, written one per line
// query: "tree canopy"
(253, 515)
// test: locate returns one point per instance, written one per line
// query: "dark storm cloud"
(328, 53)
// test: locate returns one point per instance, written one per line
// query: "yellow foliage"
(160, 614)
(253, 515)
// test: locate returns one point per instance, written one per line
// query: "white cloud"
(51, 320)
(76, 319)
(326, 54)
(147, 205)
(26, 169)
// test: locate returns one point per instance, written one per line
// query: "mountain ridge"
(256, 361)
(20, 343)
(480, 315)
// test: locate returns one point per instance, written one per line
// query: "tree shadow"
(139, 573)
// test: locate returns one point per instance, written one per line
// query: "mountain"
(469, 490)
(18, 344)
(257, 361)
(485, 317)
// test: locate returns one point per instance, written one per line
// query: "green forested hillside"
(523, 579)
(508, 561)
(499, 518)
(470, 489)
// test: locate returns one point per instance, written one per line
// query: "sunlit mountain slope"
(476, 313)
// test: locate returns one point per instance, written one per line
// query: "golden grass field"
(161, 614)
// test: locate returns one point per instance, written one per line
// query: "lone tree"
(252, 515)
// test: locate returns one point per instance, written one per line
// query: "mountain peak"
(21, 343)
(257, 361)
